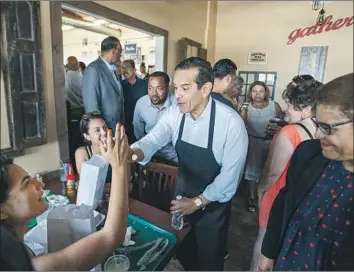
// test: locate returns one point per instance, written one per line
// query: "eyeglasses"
(327, 128)
(90, 115)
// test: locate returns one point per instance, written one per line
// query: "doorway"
(100, 20)
(84, 31)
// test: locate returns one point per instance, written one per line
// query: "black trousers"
(203, 249)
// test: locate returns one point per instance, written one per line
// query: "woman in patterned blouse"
(311, 224)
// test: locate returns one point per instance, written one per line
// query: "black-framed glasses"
(327, 128)
(90, 115)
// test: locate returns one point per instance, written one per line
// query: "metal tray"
(146, 232)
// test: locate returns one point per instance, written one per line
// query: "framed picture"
(313, 61)
(258, 57)
(130, 48)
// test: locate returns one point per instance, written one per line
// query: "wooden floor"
(242, 233)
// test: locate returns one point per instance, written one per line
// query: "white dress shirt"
(230, 144)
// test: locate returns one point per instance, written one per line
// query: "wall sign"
(328, 25)
(130, 48)
(259, 57)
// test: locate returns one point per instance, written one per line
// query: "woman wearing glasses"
(300, 102)
(311, 223)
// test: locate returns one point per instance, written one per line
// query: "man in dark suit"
(101, 88)
(133, 88)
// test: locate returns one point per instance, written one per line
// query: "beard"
(157, 100)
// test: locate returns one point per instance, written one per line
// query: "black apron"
(109, 171)
(205, 245)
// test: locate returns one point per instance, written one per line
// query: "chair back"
(157, 184)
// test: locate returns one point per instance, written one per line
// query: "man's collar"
(205, 114)
(110, 66)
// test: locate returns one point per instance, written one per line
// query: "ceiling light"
(66, 27)
(316, 5)
(114, 26)
(321, 17)
(100, 22)
(89, 18)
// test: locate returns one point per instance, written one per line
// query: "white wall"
(73, 45)
(180, 18)
(244, 26)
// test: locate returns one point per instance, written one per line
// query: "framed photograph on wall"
(130, 48)
(313, 61)
(258, 57)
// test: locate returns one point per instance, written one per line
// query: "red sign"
(328, 25)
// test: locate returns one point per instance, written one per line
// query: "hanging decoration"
(319, 5)
(321, 17)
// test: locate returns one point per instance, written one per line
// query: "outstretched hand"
(116, 149)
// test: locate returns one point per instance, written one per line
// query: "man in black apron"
(205, 245)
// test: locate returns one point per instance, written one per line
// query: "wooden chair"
(157, 184)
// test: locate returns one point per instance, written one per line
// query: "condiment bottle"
(70, 182)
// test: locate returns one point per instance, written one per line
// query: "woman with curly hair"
(299, 109)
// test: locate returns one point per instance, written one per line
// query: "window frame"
(256, 74)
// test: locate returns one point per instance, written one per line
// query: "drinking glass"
(117, 263)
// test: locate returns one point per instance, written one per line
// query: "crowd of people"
(300, 179)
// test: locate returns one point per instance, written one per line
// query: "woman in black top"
(311, 224)
(94, 131)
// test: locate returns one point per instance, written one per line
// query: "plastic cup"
(117, 263)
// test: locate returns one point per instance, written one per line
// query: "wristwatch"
(199, 203)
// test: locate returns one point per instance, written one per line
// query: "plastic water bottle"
(176, 222)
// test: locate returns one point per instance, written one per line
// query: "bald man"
(73, 88)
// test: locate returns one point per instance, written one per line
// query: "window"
(21, 67)
(249, 77)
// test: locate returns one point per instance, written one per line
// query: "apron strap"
(211, 125)
(181, 126)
